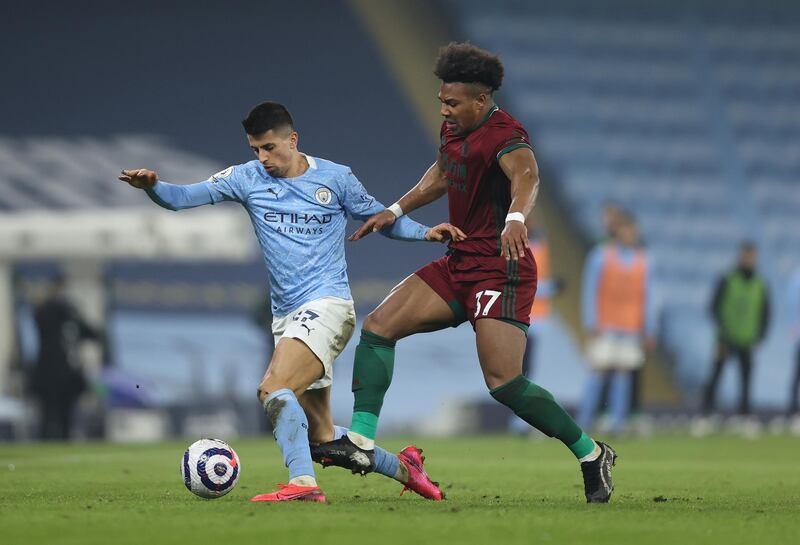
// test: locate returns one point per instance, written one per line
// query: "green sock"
(372, 375)
(583, 446)
(536, 406)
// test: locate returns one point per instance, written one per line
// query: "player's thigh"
(324, 326)
(411, 307)
(501, 346)
(317, 405)
(293, 366)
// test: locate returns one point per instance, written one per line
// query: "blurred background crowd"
(667, 233)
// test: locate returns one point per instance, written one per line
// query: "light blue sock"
(386, 463)
(290, 428)
(620, 399)
(591, 400)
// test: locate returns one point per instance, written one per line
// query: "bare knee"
(261, 391)
(495, 379)
(270, 383)
(379, 323)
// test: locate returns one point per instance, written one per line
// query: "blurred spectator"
(612, 215)
(58, 379)
(794, 309)
(741, 312)
(619, 314)
(547, 288)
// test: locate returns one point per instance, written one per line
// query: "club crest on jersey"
(221, 174)
(323, 195)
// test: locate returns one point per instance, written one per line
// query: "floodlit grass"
(500, 490)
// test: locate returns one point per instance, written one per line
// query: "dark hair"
(466, 63)
(265, 117)
(747, 246)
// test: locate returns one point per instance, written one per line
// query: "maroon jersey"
(478, 191)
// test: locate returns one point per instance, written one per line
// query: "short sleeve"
(509, 139)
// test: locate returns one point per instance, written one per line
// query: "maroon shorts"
(477, 286)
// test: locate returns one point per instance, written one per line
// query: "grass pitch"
(500, 490)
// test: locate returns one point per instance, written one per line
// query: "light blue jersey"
(300, 223)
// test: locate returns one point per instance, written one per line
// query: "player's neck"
(299, 166)
(487, 110)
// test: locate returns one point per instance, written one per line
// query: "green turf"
(718, 490)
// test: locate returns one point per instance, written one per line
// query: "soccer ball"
(210, 468)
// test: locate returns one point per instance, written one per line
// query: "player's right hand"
(140, 178)
(444, 232)
(378, 222)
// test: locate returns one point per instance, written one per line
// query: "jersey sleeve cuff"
(512, 147)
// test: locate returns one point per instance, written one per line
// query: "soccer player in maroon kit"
(487, 168)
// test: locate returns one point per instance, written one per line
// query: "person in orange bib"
(619, 312)
(547, 288)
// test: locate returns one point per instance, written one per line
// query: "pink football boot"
(418, 481)
(293, 492)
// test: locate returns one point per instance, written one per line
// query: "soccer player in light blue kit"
(298, 205)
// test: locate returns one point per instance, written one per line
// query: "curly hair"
(466, 63)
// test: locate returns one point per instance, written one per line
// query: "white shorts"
(325, 325)
(615, 351)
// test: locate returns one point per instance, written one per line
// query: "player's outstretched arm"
(166, 195)
(407, 229)
(521, 169)
(444, 232)
(361, 205)
(430, 187)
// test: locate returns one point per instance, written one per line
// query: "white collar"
(312, 163)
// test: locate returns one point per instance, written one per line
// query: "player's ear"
(480, 100)
(293, 139)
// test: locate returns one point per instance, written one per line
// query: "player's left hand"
(378, 222)
(444, 232)
(514, 240)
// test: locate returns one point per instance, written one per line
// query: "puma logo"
(308, 328)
